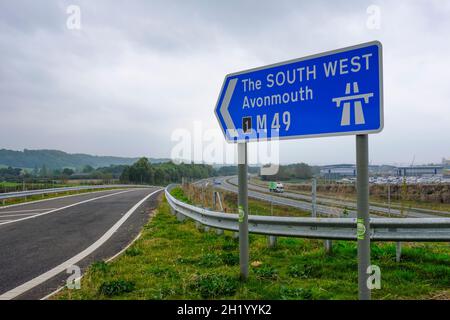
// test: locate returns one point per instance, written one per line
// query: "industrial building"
(338, 171)
(418, 171)
(446, 163)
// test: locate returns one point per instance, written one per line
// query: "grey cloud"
(139, 69)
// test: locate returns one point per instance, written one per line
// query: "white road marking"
(54, 198)
(11, 294)
(107, 260)
(18, 214)
(30, 210)
(62, 208)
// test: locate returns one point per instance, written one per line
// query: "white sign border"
(333, 134)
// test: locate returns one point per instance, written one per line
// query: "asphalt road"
(326, 207)
(38, 237)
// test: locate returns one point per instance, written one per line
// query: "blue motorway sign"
(333, 93)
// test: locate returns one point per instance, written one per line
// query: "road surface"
(40, 239)
(326, 207)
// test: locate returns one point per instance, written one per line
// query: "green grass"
(173, 260)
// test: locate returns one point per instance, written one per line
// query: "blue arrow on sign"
(333, 93)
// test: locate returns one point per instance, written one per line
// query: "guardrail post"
(272, 241)
(206, 229)
(398, 251)
(243, 209)
(219, 232)
(362, 206)
(180, 217)
(198, 225)
(328, 244)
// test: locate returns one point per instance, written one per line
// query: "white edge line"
(18, 215)
(66, 207)
(30, 210)
(11, 294)
(107, 260)
(56, 198)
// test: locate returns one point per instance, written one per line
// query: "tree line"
(292, 171)
(143, 172)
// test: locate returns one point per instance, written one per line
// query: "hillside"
(56, 159)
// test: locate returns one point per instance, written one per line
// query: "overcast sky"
(138, 70)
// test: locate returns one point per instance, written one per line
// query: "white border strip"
(58, 197)
(62, 208)
(107, 260)
(11, 294)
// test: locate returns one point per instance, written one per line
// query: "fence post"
(272, 241)
(398, 251)
(243, 209)
(362, 209)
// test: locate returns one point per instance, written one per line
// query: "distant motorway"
(325, 206)
(41, 239)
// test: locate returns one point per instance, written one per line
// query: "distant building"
(338, 171)
(419, 171)
(446, 163)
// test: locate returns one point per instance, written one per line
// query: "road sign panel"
(333, 93)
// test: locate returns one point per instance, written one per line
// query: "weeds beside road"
(174, 260)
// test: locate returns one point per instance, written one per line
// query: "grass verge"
(174, 260)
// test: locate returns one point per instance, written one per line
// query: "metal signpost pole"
(363, 225)
(243, 209)
(313, 198)
(341, 93)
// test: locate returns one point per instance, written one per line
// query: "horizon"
(108, 86)
(225, 164)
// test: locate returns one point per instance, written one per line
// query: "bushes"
(178, 193)
(302, 271)
(295, 293)
(116, 287)
(266, 272)
(99, 267)
(212, 285)
(133, 252)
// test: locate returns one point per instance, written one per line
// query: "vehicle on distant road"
(276, 187)
(217, 182)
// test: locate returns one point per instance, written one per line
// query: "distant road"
(39, 239)
(325, 206)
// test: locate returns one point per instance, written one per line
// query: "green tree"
(67, 172)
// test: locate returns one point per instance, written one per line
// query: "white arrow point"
(230, 128)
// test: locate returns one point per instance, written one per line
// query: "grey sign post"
(339, 92)
(313, 197)
(362, 205)
(243, 209)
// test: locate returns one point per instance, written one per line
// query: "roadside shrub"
(133, 251)
(287, 293)
(116, 287)
(100, 267)
(229, 245)
(162, 271)
(178, 193)
(403, 275)
(186, 260)
(300, 271)
(210, 260)
(212, 285)
(230, 259)
(164, 293)
(266, 271)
